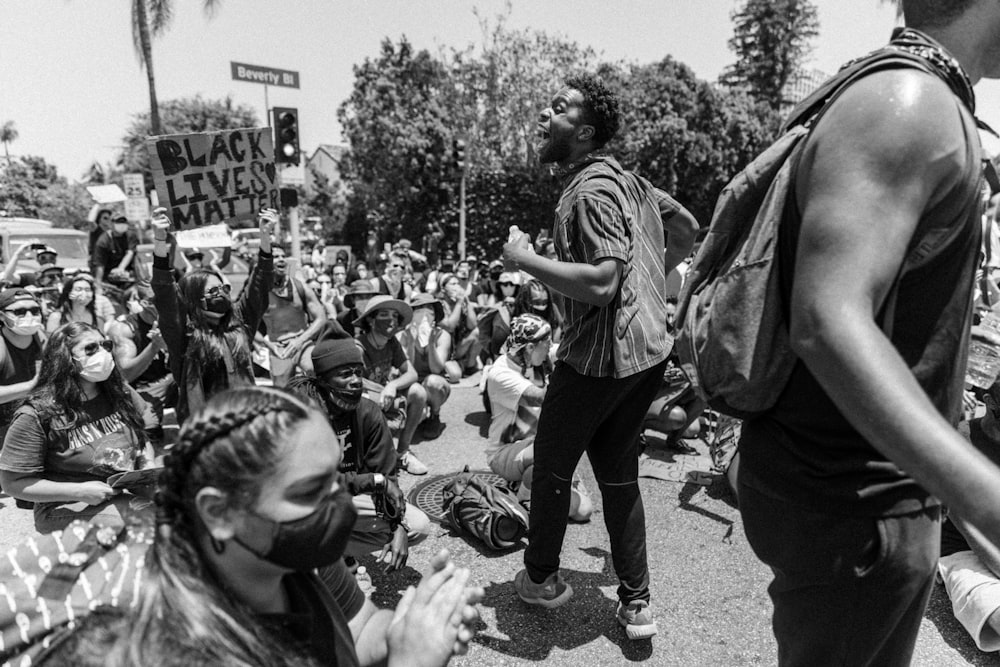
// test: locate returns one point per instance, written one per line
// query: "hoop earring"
(218, 546)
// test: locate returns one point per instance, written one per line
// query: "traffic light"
(286, 135)
(459, 154)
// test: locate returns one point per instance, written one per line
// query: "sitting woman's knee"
(438, 389)
(416, 395)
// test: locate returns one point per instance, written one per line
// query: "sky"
(70, 78)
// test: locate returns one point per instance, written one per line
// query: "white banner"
(212, 236)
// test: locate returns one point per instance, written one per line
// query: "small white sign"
(106, 194)
(137, 209)
(134, 185)
(212, 236)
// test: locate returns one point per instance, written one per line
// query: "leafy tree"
(151, 18)
(181, 116)
(328, 202)
(684, 134)
(31, 187)
(8, 135)
(399, 125)
(771, 40)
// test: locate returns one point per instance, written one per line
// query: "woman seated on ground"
(460, 322)
(250, 505)
(208, 337)
(516, 386)
(80, 425)
(494, 323)
(76, 304)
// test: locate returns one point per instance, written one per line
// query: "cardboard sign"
(214, 177)
(106, 194)
(213, 236)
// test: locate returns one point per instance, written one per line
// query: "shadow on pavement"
(480, 420)
(939, 613)
(533, 632)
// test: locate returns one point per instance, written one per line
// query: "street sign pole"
(461, 217)
(267, 105)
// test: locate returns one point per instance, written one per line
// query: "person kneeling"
(516, 387)
(369, 458)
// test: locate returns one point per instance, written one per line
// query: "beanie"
(335, 352)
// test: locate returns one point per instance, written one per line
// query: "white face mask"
(423, 319)
(98, 366)
(28, 325)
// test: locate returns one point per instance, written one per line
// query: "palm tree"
(8, 134)
(151, 18)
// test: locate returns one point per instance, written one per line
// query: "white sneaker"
(412, 464)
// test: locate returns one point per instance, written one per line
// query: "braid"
(200, 431)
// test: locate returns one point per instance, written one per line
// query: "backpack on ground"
(486, 511)
(48, 583)
(733, 341)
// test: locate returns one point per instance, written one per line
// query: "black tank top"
(804, 449)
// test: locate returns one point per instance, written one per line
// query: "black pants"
(603, 417)
(846, 590)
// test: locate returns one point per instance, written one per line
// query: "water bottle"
(364, 581)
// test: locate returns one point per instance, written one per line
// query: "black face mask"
(316, 540)
(345, 399)
(218, 304)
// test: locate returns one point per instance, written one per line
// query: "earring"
(218, 546)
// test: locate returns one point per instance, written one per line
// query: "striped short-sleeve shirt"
(606, 212)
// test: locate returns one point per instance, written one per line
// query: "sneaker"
(412, 464)
(552, 593)
(637, 619)
(431, 427)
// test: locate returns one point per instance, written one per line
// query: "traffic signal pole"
(461, 216)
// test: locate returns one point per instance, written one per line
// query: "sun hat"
(384, 301)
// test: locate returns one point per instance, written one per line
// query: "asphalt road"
(708, 589)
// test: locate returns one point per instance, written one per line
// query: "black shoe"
(431, 427)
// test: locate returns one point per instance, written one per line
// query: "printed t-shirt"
(379, 363)
(511, 420)
(100, 444)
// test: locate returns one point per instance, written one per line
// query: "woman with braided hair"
(81, 424)
(208, 336)
(250, 506)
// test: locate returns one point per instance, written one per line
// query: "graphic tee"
(99, 444)
(380, 363)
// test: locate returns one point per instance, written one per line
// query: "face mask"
(120, 229)
(218, 304)
(83, 298)
(98, 366)
(316, 540)
(345, 399)
(28, 325)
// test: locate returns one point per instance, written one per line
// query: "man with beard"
(385, 520)
(293, 319)
(617, 237)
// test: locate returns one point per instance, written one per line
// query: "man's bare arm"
(864, 184)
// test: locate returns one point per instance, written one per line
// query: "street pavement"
(708, 589)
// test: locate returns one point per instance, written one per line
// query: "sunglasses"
(90, 349)
(540, 304)
(219, 290)
(506, 284)
(21, 312)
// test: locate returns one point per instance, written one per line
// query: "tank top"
(285, 315)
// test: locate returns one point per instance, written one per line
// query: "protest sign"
(213, 177)
(212, 236)
(106, 194)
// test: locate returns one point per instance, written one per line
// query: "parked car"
(71, 244)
